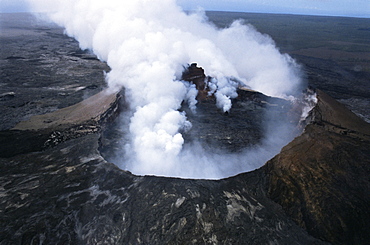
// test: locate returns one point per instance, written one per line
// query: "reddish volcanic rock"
(196, 76)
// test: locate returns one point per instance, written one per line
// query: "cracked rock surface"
(42, 69)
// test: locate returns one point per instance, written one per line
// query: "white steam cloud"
(146, 43)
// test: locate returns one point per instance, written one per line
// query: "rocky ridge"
(69, 194)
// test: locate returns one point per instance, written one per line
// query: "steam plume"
(146, 44)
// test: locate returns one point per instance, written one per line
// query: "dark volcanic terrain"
(334, 51)
(42, 69)
(56, 188)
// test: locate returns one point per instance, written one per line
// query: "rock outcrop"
(196, 75)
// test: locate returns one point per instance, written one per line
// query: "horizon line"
(246, 12)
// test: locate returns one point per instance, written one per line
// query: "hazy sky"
(354, 8)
